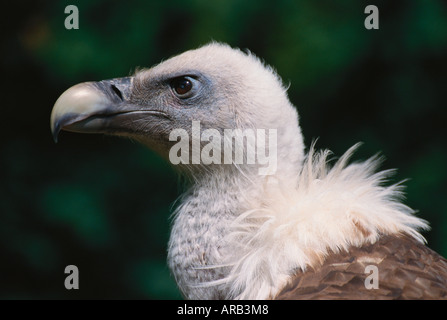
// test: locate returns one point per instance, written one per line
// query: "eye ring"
(183, 87)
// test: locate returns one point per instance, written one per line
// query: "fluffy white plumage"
(238, 235)
(331, 209)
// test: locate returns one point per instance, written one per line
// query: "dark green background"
(103, 203)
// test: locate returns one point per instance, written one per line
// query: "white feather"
(239, 235)
(331, 209)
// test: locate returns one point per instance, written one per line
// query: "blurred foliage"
(103, 203)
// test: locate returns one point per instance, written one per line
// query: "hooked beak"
(98, 107)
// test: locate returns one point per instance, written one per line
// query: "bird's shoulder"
(404, 267)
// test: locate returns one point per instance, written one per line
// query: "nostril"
(117, 91)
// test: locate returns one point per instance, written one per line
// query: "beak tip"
(55, 138)
(55, 129)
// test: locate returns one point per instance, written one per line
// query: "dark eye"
(182, 86)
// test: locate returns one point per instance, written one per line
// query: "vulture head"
(216, 86)
(260, 218)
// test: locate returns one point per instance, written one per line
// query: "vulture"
(260, 217)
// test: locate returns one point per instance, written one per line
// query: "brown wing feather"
(407, 269)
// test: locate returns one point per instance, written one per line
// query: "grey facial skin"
(144, 107)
